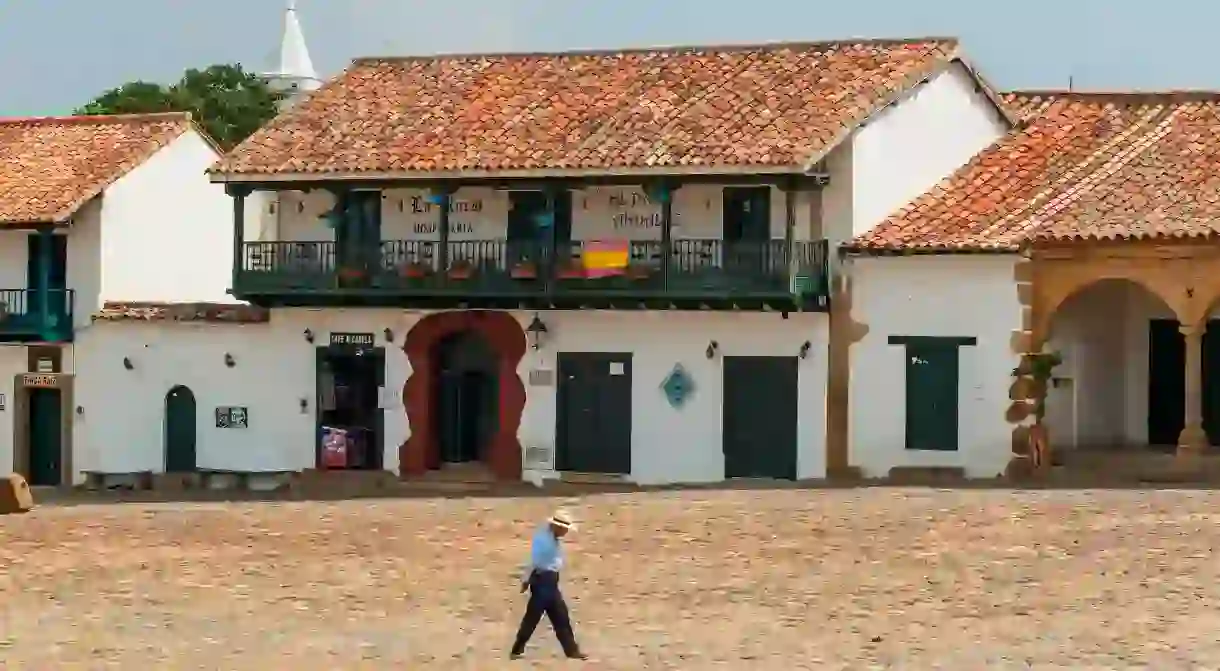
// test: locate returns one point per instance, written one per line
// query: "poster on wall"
(232, 417)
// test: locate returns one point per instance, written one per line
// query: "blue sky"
(56, 54)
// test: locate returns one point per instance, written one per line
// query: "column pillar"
(239, 193)
(790, 192)
(665, 193)
(443, 198)
(1193, 439)
(45, 247)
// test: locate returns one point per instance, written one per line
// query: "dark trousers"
(545, 597)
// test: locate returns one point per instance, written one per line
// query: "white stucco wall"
(167, 231)
(482, 214)
(13, 362)
(957, 296)
(905, 149)
(120, 429)
(684, 445)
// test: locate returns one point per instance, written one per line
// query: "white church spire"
(294, 74)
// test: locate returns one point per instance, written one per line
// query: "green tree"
(227, 101)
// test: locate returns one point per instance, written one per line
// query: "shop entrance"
(467, 397)
(350, 375)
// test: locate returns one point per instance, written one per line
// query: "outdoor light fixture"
(128, 364)
(805, 347)
(308, 335)
(389, 335)
(712, 348)
(536, 332)
(304, 406)
(229, 361)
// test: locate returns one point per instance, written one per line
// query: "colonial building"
(1058, 290)
(545, 265)
(93, 209)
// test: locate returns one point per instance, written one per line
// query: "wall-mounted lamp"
(304, 406)
(80, 409)
(308, 335)
(712, 348)
(804, 351)
(128, 364)
(229, 360)
(536, 331)
(389, 335)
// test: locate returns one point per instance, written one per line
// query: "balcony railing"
(696, 269)
(22, 315)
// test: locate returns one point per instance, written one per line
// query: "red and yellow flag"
(604, 258)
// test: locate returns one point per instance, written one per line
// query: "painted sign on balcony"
(474, 214)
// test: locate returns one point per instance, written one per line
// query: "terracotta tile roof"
(227, 313)
(51, 166)
(692, 108)
(1083, 166)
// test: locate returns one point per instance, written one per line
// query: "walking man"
(542, 581)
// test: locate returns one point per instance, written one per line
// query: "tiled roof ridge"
(1086, 169)
(663, 49)
(97, 118)
(185, 311)
(1111, 166)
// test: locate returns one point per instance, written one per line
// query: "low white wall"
(684, 445)
(958, 296)
(13, 362)
(121, 427)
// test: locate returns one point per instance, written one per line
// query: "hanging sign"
(38, 381)
(357, 340)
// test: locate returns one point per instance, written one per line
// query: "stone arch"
(1052, 294)
(503, 333)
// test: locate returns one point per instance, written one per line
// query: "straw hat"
(562, 519)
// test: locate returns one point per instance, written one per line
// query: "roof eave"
(727, 172)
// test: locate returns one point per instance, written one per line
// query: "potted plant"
(461, 270)
(524, 270)
(639, 272)
(352, 274)
(1033, 379)
(415, 270)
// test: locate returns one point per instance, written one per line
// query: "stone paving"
(742, 580)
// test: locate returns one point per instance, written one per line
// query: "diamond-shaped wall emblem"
(678, 386)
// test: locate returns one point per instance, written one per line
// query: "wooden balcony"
(499, 273)
(29, 315)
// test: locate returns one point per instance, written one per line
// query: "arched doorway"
(180, 430)
(504, 335)
(467, 397)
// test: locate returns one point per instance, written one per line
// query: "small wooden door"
(747, 229)
(46, 437)
(180, 431)
(932, 374)
(593, 413)
(358, 237)
(760, 416)
(58, 276)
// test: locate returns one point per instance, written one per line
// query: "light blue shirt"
(545, 551)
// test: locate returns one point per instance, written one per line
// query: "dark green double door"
(593, 413)
(1167, 381)
(759, 417)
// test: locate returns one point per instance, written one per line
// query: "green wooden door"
(180, 431)
(593, 413)
(931, 396)
(46, 438)
(759, 417)
(56, 258)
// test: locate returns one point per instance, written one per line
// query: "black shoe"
(578, 655)
(515, 655)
